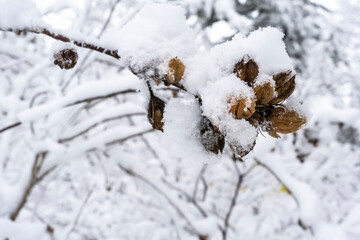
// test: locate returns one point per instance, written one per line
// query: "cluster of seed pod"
(266, 110)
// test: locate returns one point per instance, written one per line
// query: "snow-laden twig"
(61, 36)
(41, 110)
(312, 216)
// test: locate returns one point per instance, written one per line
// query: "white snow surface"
(181, 130)
(156, 33)
(12, 14)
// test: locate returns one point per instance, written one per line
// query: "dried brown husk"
(247, 70)
(242, 151)
(285, 86)
(264, 93)
(210, 136)
(156, 112)
(283, 120)
(66, 58)
(242, 107)
(175, 72)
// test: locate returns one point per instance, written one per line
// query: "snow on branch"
(65, 37)
(311, 213)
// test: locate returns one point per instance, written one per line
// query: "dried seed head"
(242, 151)
(264, 93)
(242, 107)
(285, 86)
(247, 70)
(210, 136)
(66, 58)
(175, 72)
(156, 112)
(282, 120)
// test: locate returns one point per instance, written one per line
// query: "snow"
(181, 130)
(264, 46)
(20, 230)
(311, 211)
(88, 90)
(156, 33)
(12, 14)
(130, 208)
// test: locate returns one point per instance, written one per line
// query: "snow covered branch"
(311, 212)
(64, 37)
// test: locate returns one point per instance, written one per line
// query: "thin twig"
(188, 198)
(233, 203)
(168, 199)
(102, 97)
(197, 181)
(78, 102)
(63, 140)
(79, 213)
(10, 127)
(40, 157)
(121, 140)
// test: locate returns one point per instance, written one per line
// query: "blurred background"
(94, 170)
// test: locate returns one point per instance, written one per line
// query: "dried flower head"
(285, 86)
(247, 69)
(242, 107)
(264, 93)
(242, 151)
(156, 112)
(176, 69)
(283, 120)
(210, 136)
(66, 58)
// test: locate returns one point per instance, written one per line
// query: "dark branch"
(10, 127)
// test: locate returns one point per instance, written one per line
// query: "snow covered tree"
(79, 155)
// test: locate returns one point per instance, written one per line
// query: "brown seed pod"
(241, 150)
(210, 136)
(66, 58)
(282, 120)
(175, 72)
(285, 86)
(247, 70)
(156, 112)
(242, 107)
(264, 93)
